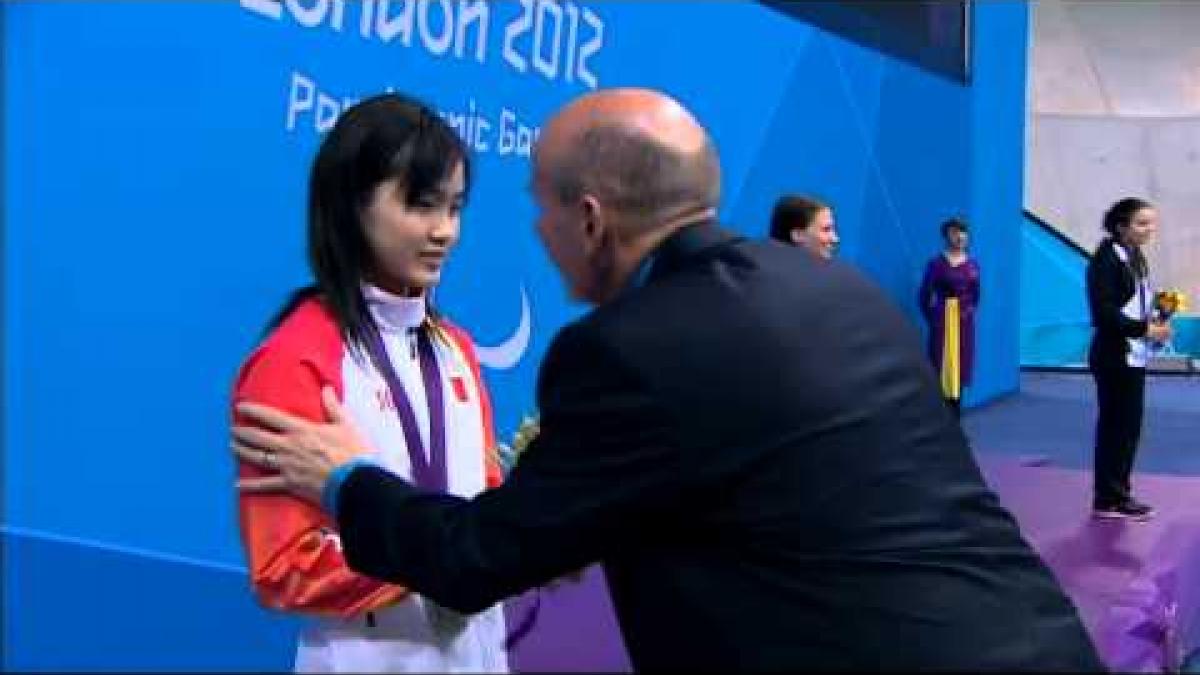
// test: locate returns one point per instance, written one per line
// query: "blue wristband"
(333, 484)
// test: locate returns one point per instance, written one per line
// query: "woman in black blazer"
(1120, 300)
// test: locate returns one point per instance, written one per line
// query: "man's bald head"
(636, 151)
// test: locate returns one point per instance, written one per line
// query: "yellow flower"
(1170, 301)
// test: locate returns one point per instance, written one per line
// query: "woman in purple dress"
(948, 298)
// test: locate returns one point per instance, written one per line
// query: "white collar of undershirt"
(394, 312)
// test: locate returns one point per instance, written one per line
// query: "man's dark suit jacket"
(753, 445)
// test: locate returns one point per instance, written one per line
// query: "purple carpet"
(575, 629)
(1137, 585)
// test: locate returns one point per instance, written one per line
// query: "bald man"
(748, 439)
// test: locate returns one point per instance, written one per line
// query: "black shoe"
(1129, 510)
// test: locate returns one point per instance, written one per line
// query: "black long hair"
(378, 139)
(1120, 215)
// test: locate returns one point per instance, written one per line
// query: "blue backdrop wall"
(1055, 326)
(155, 158)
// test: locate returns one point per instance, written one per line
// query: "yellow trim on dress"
(951, 352)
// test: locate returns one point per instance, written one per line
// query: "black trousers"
(1120, 394)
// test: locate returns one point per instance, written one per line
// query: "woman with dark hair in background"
(807, 222)
(385, 195)
(1119, 298)
(948, 298)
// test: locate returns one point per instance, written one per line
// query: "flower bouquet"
(508, 454)
(1167, 302)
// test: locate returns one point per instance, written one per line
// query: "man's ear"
(594, 223)
(796, 235)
